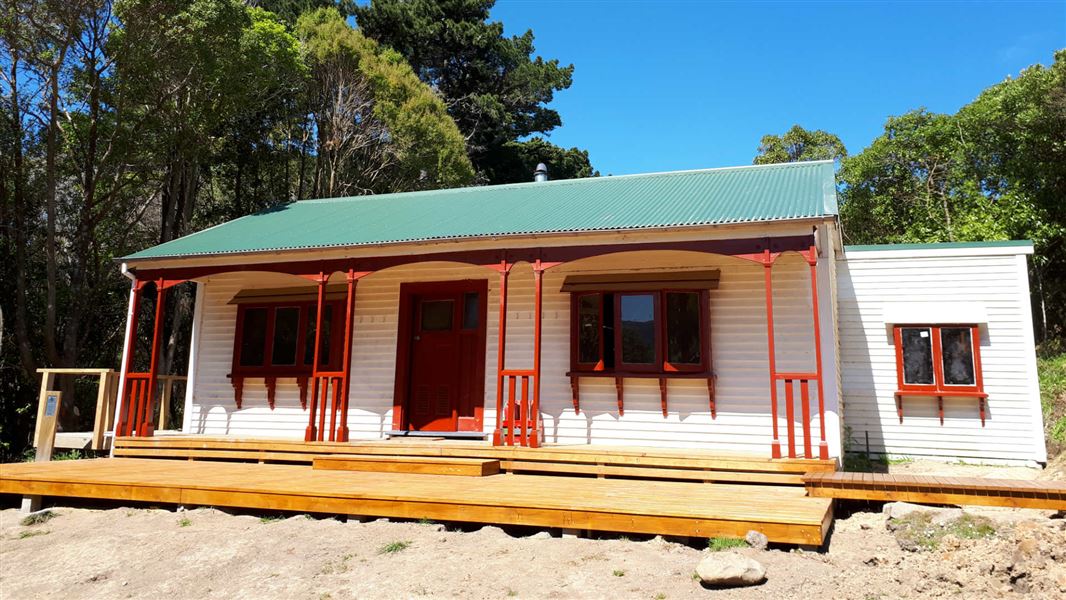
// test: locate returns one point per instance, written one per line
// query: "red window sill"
(662, 376)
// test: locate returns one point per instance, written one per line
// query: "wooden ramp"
(598, 461)
(938, 490)
(783, 513)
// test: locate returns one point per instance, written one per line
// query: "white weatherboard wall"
(989, 283)
(738, 337)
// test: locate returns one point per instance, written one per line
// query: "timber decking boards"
(422, 465)
(926, 489)
(585, 454)
(783, 513)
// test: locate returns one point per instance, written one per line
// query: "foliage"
(799, 144)
(718, 544)
(1052, 369)
(41, 516)
(184, 522)
(518, 160)
(995, 170)
(494, 87)
(394, 547)
(380, 128)
(918, 531)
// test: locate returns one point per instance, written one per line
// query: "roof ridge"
(564, 182)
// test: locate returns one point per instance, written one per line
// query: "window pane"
(638, 328)
(917, 355)
(253, 337)
(286, 329)
(589, 332)
(437, 315)
(471, 312)
(309, 340)
(683, 328)
(956, 345)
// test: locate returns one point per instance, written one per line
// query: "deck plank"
(783, 513)
(931, 489)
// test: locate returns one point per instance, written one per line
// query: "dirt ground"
(207, 553)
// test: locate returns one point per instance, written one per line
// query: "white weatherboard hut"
(713, 309)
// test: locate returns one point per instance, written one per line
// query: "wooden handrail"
(106, 396)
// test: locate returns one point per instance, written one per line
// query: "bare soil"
(207, 553)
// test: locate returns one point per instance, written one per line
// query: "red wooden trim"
(511, 409)
(131, 351)
(749, 248)
(823, 446)
(272, 389)
(534, 416)
(618, 386)
(938, 387)
(940, 408)
(346, 367)
(238, 390)
(640, 374)
(313, 432)
(406, 319)
(775, 444)
(575, 389)
(704, 325)
(501, 333)
(302, 382)
(805, 406)
(662, 394)
(147, 426)
(712, 382)
(575, 333)
(790, 416)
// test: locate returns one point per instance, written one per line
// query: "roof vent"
(541, 174)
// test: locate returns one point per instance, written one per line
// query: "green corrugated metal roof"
(658, 200)
(938, 245)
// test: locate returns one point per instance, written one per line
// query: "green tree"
(798, 144)
(379, 128)
(290, 10)
(494, 87)
(520, 159)
(995, 170)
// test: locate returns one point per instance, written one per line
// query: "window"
(276, 339)
(660, 331)
(939, 359)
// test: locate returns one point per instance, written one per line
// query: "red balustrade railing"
(328, 391)
(803, 380)
(138, 406)
(520, 411)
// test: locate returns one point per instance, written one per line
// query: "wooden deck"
(598, 461)
(783, 513)
(938, 490)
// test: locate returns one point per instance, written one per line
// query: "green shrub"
(717, 544)
(394, 547)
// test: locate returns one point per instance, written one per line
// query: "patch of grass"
(270, 519)
(425, 521)
(394, 547)
(861, 463)
(618, 573)
(37, 518)
(917, 531)
(696, 576)
(717, 544)
(660, 596)
(32, 533)
(184, 522)
(1051, 366)
(511, 593)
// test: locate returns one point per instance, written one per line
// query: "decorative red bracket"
(712, 382)
(982, 398)
(575, 385)
(238, 390)
(662, 394)
(272, 389)
(302, 382)
(621, 396)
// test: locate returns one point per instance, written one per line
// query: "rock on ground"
(730, 569)
(757, 540)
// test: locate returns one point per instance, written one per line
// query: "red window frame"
(661, 365)
(938, 387)
(266, 369)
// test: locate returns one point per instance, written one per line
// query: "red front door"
(447, 357)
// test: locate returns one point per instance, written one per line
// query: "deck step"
(927, 489)
(423, 465)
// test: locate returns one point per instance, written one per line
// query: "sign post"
(46, 428)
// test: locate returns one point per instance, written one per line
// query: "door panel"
(446, 371)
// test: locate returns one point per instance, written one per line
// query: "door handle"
(418, 337)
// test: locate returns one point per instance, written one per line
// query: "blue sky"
(669, 85)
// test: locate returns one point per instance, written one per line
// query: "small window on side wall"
(939, 359)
